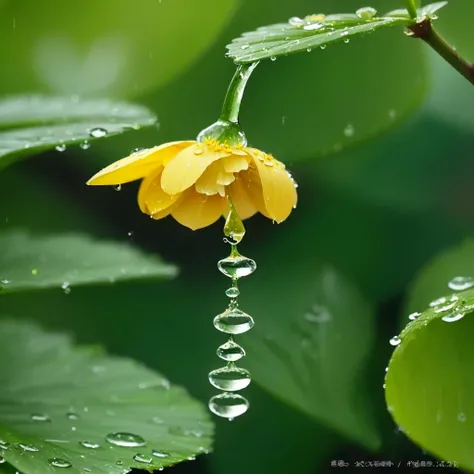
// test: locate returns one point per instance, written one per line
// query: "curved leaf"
(66, 407)
(64, 261)
(29, 124)
(429, 385)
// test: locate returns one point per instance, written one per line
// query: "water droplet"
(228, 405)
(28, 447)
(309, 50)
(5, 282)
(413, 316)
(366, 13)
(198, 151)
(39, 417)
(237, 266)
(85, 145)
(318, 314)
(142, 458)
(2, 460)
(230, 378)
(89, 445)
(346, 40)
(34, 271)
(462, 417)
(349, 130)
(58, 462)
(160, 454)
(461, 283)
(296, 21)
(126, 440)
(4, 446)
(118, 187)
(234, 229)
(233, 321)
(323, 46)
(66, 288)
(72, 416)
(437, 302)
(232, 292)
(273, 58)
(451, 318)
(98, 132)
(61, 147)
(230, 351)
(395, 340)
(245, 46)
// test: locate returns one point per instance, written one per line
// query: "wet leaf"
(65, 261)
(30, 124)
(316, 332)
(64, 406)
(303, 34)
(429, 386)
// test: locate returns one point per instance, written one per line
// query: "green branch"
(425, 31)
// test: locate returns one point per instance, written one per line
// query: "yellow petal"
(198, 210)
(234, 164)
(253, 187)
(279, 193)
(137, 165)
(208, 182)
(151, 198)
(186, 167)
(241, 199)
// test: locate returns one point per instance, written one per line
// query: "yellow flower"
(192, 181)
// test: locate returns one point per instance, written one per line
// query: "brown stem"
(425, 31)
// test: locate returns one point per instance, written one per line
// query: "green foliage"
(65, 261)
(112, 48)
(76, 407)
(31, 124)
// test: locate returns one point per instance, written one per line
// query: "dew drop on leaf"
(28, 447)
(40, 417)
(160, 454)
(98, 132)
(461, 283)
(61, 147)
(413, 316)
(395, 341)
(126, 440)
(142, 458)
(58, 462)
(89, 445)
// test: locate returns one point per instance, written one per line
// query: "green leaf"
(68, 404)
(29, 124)
(64, 261)
(305, 34)
(107, 49)
(429, 386)
(442, 275)
(431, 9)
(316, 332)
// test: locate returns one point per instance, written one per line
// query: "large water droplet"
(233, 321)
(395, 341)
(234, 228)
(445, 307)
(228, 405)
(61, 147)
(143, 458)
(451, 318)
(28, 447)
(461, 283)
(230, 378)
(89, 445)
(230, 351)
(160, 454)
(237, 266)
(126, 440)
(232, 292)
(40, 417)
(366, 13)
(98, 132)
(413, 316)
(58, 462)
(437, 302)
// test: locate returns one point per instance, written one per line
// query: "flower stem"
(425, 31)
(235, 92)
(411, 8)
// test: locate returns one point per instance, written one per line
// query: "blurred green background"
(375, 204)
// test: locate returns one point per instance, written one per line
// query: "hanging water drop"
(230, 378)
(234, 228)
(323, 46)
(451, 318)
(230, 351)
(125, 440)
(233, 321)
(461, 283)
(273, 58)
(118, 187)
(395, 341)
(228, 405)
(58, 462)
(346, 40)
(232, 292)
(98, 132)
(237, 266)
(85, 145)
(61, 147)
(2, 460)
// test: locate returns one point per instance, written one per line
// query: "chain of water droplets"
(232, 321)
